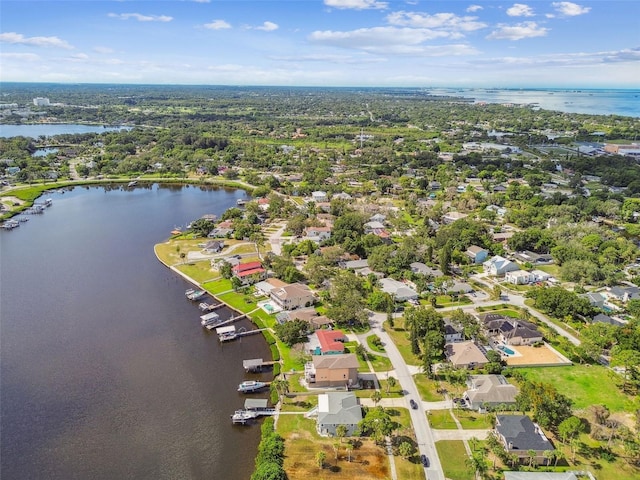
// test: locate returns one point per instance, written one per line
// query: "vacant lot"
(586, 385)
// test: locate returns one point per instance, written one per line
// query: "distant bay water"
(588, 101)
(105, 370)
(52, 129)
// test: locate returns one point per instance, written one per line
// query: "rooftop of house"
(331, 340)
(520, 433)
(333, 362)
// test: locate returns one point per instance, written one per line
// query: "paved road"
(424, 435)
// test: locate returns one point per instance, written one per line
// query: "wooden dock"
(256, 364)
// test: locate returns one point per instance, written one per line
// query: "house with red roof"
(249, 272)
(330, 342)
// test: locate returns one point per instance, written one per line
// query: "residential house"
(370, 227)
(398, 290)
(477, 254)
(451, 217)
(378, 217)
(318, 234)
(602, 318)
(519, 435)
(355, 264)
(250, 272)
(265, 287)
(540, 476)
(534, 258)
(330, 342)
(452, 335)
(422, 269)
(499, 211)
(510, 331)
(540, 276)
(460, 287)
(319, 196)
(465, 355)
(293, 296)
(489, 390)
(338, 408)
(623, 293)
(220, 232)
(519, 277)
(213, 246)
(332, 371)
(498, 266)
(595, 299)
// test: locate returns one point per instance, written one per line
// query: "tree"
(391, 383)
(349, 449)
(292, 332)
(341, 431)
(281, 386)
(376, 396)
(570, 428)
(549, 407)
(320, 458)
(236, 283)
(532, 455)
(445, 258)
(377, 424)
(496, 292)
(269, 471)
(406, 450)
(336, 449)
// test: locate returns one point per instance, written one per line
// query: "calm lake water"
(105, 371)
(49, 130)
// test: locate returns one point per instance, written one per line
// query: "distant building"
(489, 390)
(398, 290)
(498, 266)
(465, 355)
(520, 277)
(477, 254)
(41, 102)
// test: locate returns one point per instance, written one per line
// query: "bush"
(269, 337)
(275, 353)
(277, 368)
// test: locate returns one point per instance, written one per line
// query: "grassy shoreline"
(28, 194)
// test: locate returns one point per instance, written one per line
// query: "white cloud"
(23, 57)
(520, 10)
(202, 1)
(474, 8)
(356, 4)
(217, 25)
(268, 26)
(19, 39)
(518, 32)
(328, 58)
(103, 50)
(140, 17)
(570, 9)
(439, 20)
(392, 40)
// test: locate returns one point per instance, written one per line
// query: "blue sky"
(323, 42)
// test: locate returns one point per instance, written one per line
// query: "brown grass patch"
(534, 356)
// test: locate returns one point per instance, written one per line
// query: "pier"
(256, 364)
(227, 334)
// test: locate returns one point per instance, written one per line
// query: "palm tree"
(549, 455)
(557, 455)
(532, 455)
(336, 449)
(320, 458)
(391, 383)
(281, 386)
(376, 396)
(341, 431)
(349, 448)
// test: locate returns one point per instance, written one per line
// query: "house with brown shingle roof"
(332, 371)
(292, 296)
(465, 355)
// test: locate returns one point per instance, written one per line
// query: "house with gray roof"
(422, 269)
(477, 254)
(398, 290)
(595, 299)
(623, 293)
(489, 390)
(519, 434)
(540, 476)
(338, 408)
(498, 266)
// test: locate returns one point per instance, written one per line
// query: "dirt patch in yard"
(535, 356)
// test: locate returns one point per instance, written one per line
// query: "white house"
(520, 277)
(319, 196)
(318, 234)
(498, 266)
(338, 408)
(398, 290)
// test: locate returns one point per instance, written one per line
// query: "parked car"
(413, 404)
(425, 460)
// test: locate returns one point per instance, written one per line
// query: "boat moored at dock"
(251, 386)
(196, 295)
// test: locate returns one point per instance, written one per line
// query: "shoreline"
(40, 189)
(199, 286)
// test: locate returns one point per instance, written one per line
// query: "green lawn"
(372, 345)
(399, 337)
(427, 388)
(441, 419)
(218, 286)
(199, 271)
(586, 385)
(453, 457)
(380, 363)
(472, 420)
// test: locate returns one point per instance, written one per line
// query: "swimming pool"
(506, 350)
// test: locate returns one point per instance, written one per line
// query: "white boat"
(132, 183)
(196, 295)
(204, 306)
(209, 318)
(189, 291)
(251, 386)
(243, 416)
